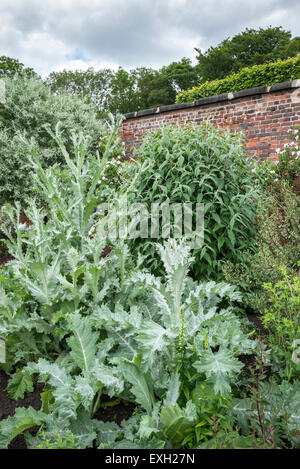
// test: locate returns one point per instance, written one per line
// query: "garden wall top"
(264, 114)
(216, 99)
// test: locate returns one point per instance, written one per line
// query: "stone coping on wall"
(216, 99)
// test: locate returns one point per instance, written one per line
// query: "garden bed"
(150, 321)
(8, 406)
(116, 413)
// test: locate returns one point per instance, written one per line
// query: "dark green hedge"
(249, 77)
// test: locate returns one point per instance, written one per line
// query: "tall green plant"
(199, 165)
(56, 266)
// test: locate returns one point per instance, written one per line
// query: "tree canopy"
(250, 47)
(125, 91)
(143, 87)
(11, 67)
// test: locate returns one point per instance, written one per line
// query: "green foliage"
(29, 105)
(123, 97)
(90, 84)
(198, 165)
(3, 252)
(182, 74)
(143, 353)
(19, 384)
(22, 420)
(126, 91)
(59, 439)
(142, 88)
(154, 87)
(249, 77)
(250, 47)
(233, 440)
(282, 319)
(292, 48)
(79, 315)
(53, 260)
(219, 366)
(90, 326)
(287, 166)
(10, 67)
(272, 413)
(278, 245)
(278, 235)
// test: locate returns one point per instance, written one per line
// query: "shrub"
(282, 319)
(249, 77)
(271, 414)
(28, 106)
(278, 236)
(278, 245)
(198, 165)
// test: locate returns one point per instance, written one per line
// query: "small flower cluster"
(112, 169)
(288, 163)
(295, 133)
(292, 146)
(286, 167)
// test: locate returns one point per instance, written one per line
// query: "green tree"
(153, 88)
(91, 84)
(30, 104)
(293, 48)
(250, 47)
(123, 93)
(182, 75)
(11, 67)
(159, 87)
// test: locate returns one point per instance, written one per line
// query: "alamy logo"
(2, 91)
(2, 351)
(296, 352)
(123, 220)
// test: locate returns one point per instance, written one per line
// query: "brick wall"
(264, 114)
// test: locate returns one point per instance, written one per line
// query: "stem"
(96, 403)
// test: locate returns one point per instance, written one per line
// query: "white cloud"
(58, 34)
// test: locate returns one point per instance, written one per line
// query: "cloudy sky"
(76, 34)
